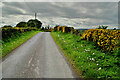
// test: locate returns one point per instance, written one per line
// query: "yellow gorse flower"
(105, 38)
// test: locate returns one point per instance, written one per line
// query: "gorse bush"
(107, 40)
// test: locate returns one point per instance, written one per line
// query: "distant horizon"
(78, 27)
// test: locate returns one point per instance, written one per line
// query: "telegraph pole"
(35, 15)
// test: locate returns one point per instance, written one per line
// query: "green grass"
(14, 42)
(85, 58)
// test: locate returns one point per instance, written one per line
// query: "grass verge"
(7, 47)
(86, 60)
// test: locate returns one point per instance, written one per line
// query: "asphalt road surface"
(39, 57)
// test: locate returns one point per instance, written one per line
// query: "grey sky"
(77, 14)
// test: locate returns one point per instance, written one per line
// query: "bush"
(106, 39)
(22, 24)
(16, 31)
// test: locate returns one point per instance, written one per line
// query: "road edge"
(62, 53)
(7, 55)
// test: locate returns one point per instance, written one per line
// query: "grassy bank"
(16, 41)
(85, 58)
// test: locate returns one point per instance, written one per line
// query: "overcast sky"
(77, 14)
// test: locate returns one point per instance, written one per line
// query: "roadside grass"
(14, 42)
(85, 58)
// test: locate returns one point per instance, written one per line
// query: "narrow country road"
(39, 57)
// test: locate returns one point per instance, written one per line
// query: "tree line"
(31, 23)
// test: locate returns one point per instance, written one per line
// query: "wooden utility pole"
(35, 15)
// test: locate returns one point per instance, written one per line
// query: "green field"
(86, 58)
(16, 41)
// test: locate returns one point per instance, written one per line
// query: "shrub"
(16, 31)
(106, 39)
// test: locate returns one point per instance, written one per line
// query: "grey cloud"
(102, 12)
(15, 4)
(9, 11)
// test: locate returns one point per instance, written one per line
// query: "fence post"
(63, 29)
(58, 28)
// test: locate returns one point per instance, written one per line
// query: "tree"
(34, 23)
(99, 27)
(7, 26)
(114, 29)
(103, 27)
(22, 24)
(48, 27)
(42, 28)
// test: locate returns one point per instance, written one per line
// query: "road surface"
(39, 57)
